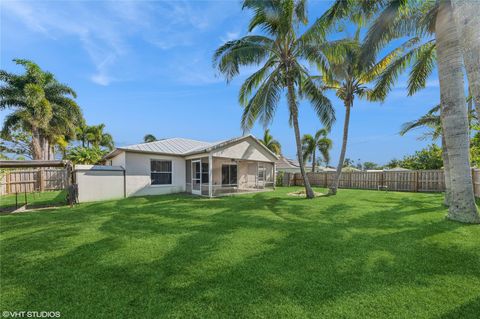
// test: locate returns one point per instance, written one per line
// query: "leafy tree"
(85, 155)
(149, 138)
(99, 138)
(271, 143)
(371, 165)
(348, 162)
(17, 142)
(41, 106)
(320, 142)
(427, 158)
(281, 52)
(394, 163)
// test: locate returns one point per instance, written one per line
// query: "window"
(229, 174)
(161, 172)
(261, 172)
(204, 173)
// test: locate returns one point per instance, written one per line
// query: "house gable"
(245, 149)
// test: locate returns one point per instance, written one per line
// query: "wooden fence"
(407, 181)
(33, 180)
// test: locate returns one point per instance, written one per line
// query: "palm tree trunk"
(294, 112)
(467, 17)
(454, 118)
(334, 187)
(36, 145)
(313, 161)
(446, 171)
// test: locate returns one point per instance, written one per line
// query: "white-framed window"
(261, 172)
(160, 172)
(229, 174)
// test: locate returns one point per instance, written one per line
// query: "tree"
(17, 142)
(468, 24)
(320, 142)
(371, 166)
(85, 155)
(149, 138)
(427, 158)
(41, 106)
(281, 52)
(271, 143)
(97, 137)
(401, 18)
(349, 78)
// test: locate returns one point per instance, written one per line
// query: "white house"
(177, 165)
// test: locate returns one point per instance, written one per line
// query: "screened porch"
(227, 176)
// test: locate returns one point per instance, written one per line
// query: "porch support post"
(274, 175)
(210, 175)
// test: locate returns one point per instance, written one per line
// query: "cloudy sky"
(145, 67)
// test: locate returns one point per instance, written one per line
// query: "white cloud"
(105, 30)
(229, 36)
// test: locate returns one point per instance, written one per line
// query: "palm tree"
(271, 143)
(433, 17)
(99, 138)
(349, 78)
(42, 106)
(149, 138)
(320, 142)
(468, 25)
(281, 52)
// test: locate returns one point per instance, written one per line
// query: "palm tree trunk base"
(332, 191)
(463, 218)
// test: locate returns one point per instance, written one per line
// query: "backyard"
(355, 255)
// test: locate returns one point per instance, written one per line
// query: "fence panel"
(476, 181)
(33, 180)
(407, 181)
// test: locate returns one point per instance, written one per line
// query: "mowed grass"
(34, 199)
(360, 254)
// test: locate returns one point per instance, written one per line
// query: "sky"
(146, 67)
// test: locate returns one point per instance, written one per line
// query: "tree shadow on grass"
(258, 255)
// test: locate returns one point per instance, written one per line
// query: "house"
(288, 165)
(176, 165)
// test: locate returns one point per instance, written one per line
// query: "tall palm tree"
(349, 78)
(468, 24)
(149, 138)
(42, 106)
(398, 19)
(320, 142)
(271, 143)
(281, 52)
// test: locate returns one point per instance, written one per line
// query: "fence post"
(7, 181)
(41, 180)
(416, 181)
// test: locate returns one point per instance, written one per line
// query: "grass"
(360, 254)
(34, 199)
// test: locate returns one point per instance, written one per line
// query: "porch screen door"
(196, 177)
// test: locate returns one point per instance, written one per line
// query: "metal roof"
(181, 146)
(174, 146)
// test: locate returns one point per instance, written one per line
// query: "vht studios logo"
(31, 314)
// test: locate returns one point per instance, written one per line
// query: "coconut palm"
(280, 52)
(398, 19)
(468, 24)
(41, 106)
(149, 138)
(271, 143)
(349, 78)
(320, 142)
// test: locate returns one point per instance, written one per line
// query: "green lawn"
(34, 199)
(360, 254)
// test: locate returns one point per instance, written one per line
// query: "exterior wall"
(247, 149)
(118, 160)
(247, 172)
(96, 183)
(138, 175)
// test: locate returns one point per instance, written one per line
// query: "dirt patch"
(303, 194)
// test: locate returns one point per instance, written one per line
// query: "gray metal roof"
(175, 146)
(181, 146)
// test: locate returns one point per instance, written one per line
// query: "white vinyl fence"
(98, 182)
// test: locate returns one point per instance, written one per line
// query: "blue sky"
(145, 67)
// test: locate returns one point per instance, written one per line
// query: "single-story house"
(288, 165)
(176, 165)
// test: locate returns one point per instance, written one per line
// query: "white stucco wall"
(97, 183)
(118, 160)
(138, 174)
(246, 149)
